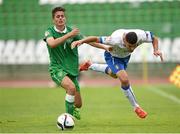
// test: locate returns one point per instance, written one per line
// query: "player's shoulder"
(141, 31)
(118, 33)
(134, 30)
(48, 31)
(50, 28)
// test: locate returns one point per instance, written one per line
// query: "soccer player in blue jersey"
(123, 43)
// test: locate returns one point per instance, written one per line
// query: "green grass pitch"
(105, 110)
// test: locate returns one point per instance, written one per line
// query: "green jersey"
(63, 56)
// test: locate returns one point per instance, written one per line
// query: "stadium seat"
(29, 53)
(175, 50)
(165, 47)
(19, 51)
(7, 57)
(2, 46)
(41, 52)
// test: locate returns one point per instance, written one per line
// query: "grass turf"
(105, 110)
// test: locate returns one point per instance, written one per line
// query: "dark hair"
(131, 37)
(57, 9)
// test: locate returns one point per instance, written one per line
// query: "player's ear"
(124, 36)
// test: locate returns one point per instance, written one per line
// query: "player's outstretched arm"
(157, 52)
(85, 40)
(76, 44)
(102, 46)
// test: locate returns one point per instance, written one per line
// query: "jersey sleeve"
(146, 36)
(107, 40)
(47, 34)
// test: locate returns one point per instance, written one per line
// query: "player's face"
(59, 19)
(129, 46)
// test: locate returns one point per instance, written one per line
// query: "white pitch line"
(164, 94)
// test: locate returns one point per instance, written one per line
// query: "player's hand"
(76, 44)
(74, 32)
(158, 53)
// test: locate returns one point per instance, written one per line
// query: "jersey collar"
(64, 31)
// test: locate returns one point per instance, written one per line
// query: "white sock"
(99, 67)
(130, 95)
(69, 98)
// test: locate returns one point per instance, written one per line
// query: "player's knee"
(71, 89)
(113, 75)
(110, 73)
(124, 81)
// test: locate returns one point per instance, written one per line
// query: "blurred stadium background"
(23, 54)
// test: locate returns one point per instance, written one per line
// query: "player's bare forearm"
(97, 45)
(55, 42)
(157, 52)
(90, 39)
(101, 46)
(58, 41)
(155, 43)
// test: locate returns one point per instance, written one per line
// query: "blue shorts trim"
(116, 64)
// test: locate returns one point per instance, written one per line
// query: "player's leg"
(60, 78)
(103, 68)
(118, 67)
(127, 89)
(78, 99)
(77, 105)
(69, 86)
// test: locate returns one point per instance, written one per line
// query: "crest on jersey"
(116, 66)
(60, 74)
(46, 33)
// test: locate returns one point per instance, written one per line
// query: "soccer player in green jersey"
(64, 63)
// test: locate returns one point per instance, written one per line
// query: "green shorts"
(57, 75)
